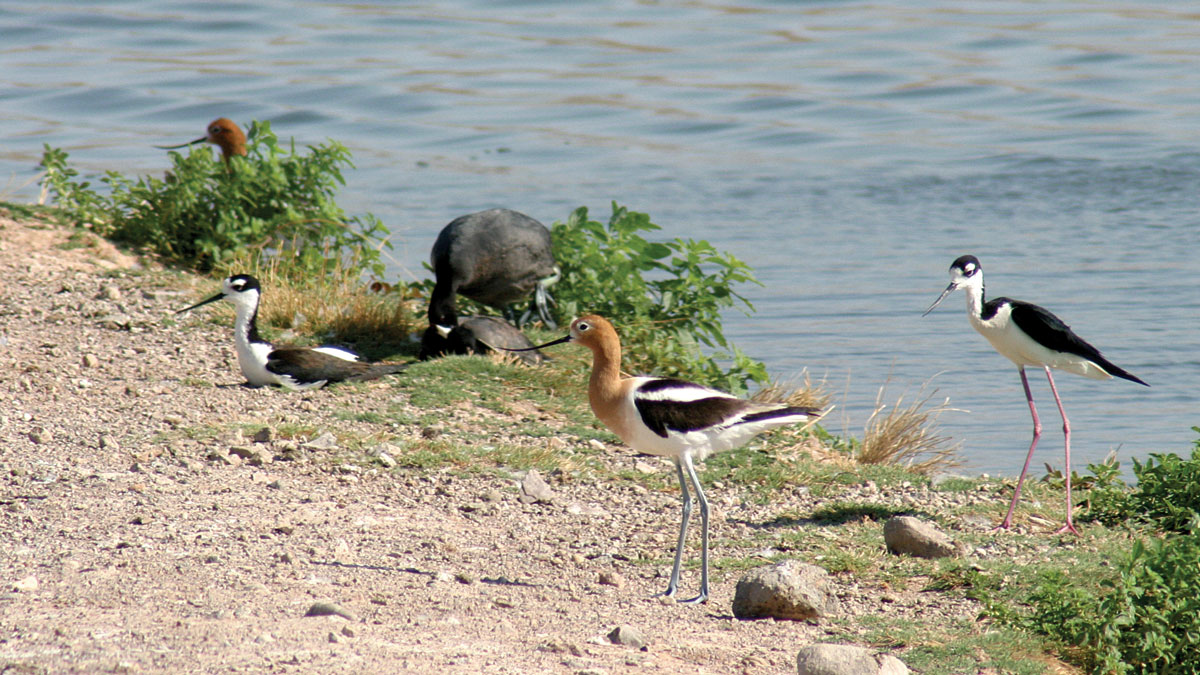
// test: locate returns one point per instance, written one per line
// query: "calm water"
(848, 151)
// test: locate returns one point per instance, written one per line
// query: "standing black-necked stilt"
(672, 418)
(293, 367)
(495, 257)
(223, 133)
(1029, 335)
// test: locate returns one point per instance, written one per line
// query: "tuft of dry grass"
(338, 305)
(904, 431)
(805, 394)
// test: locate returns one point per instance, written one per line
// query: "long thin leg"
(1070, 526)
(691, 471)
(673, 584)
(1037, 433)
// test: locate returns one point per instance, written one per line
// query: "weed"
(205, 211)
(664, 297)
(1167, 495)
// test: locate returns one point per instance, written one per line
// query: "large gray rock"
(788, 590)
(831, 659)
(913, 536)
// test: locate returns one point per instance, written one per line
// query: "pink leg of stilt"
(1037, 433)
(1070, 526)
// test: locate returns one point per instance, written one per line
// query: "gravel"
(139, 539)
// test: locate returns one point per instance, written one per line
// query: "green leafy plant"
(1167, 495)
(1144, 618)
(205, 210)
(1168, 489)
(664, 297)
(1106, 496)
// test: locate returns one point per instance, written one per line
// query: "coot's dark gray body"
(494, 257)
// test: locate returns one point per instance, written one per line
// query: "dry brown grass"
(805, 394)
(905, 431)
(338, 305)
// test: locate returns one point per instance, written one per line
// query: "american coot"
(672, 418)
(293, 367)
(494, 257)
(1029, 335)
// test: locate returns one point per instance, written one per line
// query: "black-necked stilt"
(293, 367)
(476, 335)
(223, 133)
(672, 418)
(494, 257)
(1029, 335)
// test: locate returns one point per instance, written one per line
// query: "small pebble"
(328, 609)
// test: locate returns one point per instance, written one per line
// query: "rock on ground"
(788, 590)
(831, 659)
(913, 536)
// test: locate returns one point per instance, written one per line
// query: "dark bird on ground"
(477, 335)
(494, 257)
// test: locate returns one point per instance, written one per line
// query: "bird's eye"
(582, 326)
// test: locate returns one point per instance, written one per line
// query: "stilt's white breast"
(1015, 345)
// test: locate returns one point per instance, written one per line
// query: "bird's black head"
(967, 265)
(240, 283)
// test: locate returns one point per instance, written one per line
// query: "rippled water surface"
(847, 151)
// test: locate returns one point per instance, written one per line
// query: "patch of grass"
(196, 382)
(845, 512)
(78, 239)
(958, 484)
(334, 306)
(938, 647)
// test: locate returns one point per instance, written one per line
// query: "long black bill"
(948, 291)
(529, 349)
(214, 298)
(182, 145)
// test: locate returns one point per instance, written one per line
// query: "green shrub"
(1145, 618)
(665, 298)
(1167, 496)
(1168, 492)
(204, 211)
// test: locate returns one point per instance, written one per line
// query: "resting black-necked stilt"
(1029, 335)
(293, 367)
(476, 335)
(672, 418)
(495, 257)
(223, 133)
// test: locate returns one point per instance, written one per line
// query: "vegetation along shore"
(470, 514)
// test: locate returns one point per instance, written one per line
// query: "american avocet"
(223, 133)
(672, 418)
(1029, 335)
(495, 257)
(476, 335)
(293, 367)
